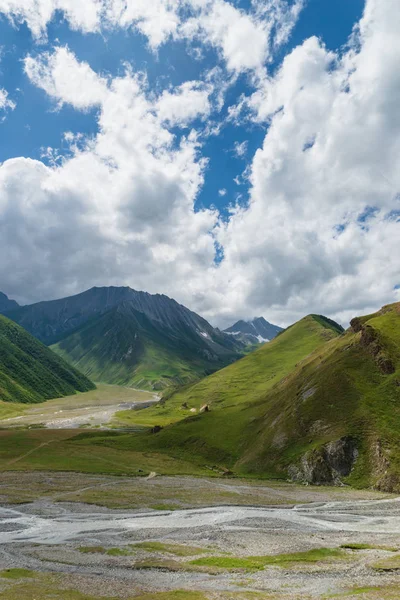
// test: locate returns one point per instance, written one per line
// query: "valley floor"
(91, 409)
(60, 539)
(86, 515)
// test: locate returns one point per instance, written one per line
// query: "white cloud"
(83, 16)
(65, 79)
(5, 102)
(185, 103)
(240, 148)
(121, 209)
(244, 39)
(156, 19)
(222, 192)
(332, 149)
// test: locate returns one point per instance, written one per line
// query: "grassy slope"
(338, 391)
(290, 398)
(223, 435)
(245, 381)
(114, 348)
(30, 372)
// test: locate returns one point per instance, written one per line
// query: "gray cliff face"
(6, 304)
(53, 320)
(326, 465)
(254, 332)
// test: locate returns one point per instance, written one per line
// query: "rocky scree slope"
(31, 372)
(119, 335)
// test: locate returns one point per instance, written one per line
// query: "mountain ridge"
(90, 330)
(255, 331)
(6, 304)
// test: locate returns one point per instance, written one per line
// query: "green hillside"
(234, 395)
(125, 347)
(31, 372)
(248, 379)
(312, 405)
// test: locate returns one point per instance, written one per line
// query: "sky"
(239, 156)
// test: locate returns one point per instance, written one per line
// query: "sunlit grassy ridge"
(30, 372)
(227, 432)
(287, 400)
(245, 381)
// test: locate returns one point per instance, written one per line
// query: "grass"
(125, 348)
(167, 507)
(368, 547)
(65, 450)
(134, 492)
(220, 437)
(70, 406)
(175, 595)
(30, 372)
(279, 560)
(245, 381)
(282, 403)
(385, 592)
(92, 550)
(16, 573)
(388, 564)
(308, 387)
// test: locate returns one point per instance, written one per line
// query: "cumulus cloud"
(320, 231)
(185, 103)
(306, 242)
(65, 79)
(120, 209)
(37, 14)
(243, 38)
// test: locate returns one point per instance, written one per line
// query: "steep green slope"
(248, 379)
(338, 414)
(30, 372)
(125, 347)
(312, 406)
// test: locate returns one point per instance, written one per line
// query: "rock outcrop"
(326, 465)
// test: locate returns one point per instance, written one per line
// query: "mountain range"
(120, 335)
(317, 404)
(256, 331)
(31, 372)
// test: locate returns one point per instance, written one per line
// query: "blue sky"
(225, 152)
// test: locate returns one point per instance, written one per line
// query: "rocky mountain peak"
(6, 304)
